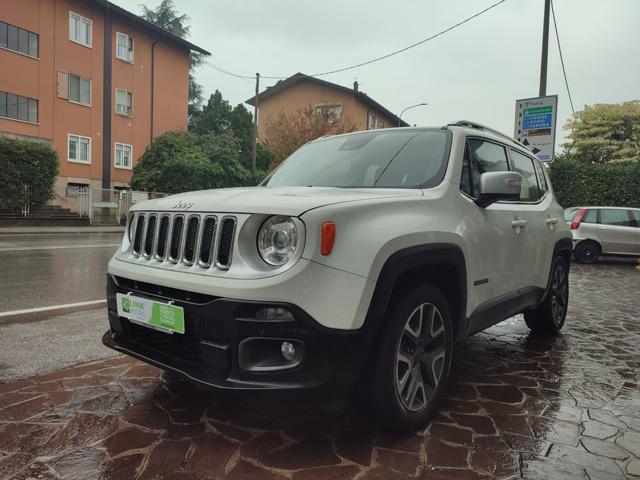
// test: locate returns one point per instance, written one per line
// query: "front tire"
(414, 360)
(549, 316)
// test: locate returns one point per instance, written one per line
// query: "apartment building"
(95, 81)
(327, 99)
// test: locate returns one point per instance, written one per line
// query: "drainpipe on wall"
(153, 74)
(106, 102)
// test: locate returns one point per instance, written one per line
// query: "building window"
(74, 189)
(124, 47)
(123, 156)
(80, 29)
(17, 107)
(18, 40)
(79, 90)
(374, 122)
(124, 102)
(329, 112)
(79, 149)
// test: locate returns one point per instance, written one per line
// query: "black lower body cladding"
(223, 335)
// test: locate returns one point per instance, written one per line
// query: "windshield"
(377, 159)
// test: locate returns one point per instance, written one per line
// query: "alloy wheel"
(559, 294)
(420, 357)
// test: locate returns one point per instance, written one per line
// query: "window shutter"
(63, 85)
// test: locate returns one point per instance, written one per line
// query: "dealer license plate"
(162, 316)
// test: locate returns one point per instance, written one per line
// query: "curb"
(42, 313)
(58, 230)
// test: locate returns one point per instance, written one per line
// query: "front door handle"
(551, 221)
(518, 223)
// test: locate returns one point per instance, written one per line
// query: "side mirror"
(495, 186)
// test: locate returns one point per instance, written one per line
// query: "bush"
(21, 162)
(576, 183)
(182, 161)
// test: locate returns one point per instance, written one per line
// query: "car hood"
(291, 201)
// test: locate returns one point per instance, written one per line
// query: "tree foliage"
(604, 133)
(285, 133)
(21, 162)
(184, 161)
(166, 16)
(576, 183)
(219, 117)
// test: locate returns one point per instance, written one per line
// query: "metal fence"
(100, 206)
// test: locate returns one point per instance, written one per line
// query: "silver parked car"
(604, 231)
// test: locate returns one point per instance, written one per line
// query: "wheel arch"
(563, 248)
(439, 264)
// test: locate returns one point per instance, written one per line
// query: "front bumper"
(209, 351)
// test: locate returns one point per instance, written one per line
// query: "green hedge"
(608, 184)
(21, 162)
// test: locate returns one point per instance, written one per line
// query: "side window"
(524, 166)
(616, 217)
(591, 216)
(483, 156)
(635, 214)
(542, 180)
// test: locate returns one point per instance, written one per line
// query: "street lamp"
(412, 106)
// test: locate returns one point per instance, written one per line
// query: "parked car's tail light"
(328, 238)
(575, 224)
(278, 240)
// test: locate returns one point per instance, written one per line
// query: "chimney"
(355, 86)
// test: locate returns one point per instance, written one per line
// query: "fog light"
(288, 351)
(275, 314)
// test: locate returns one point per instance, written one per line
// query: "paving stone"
(311, 452)
(593, 428)
(630, 441)
(82, 430)
(633, 467)
(451, 433)
(579, 457)
(605, 448)
(480, 424)
(129, 438)
(440, 454)
(556, 431)
(398, 461)
(125, 467)
(382, 473)
(211, 454)
(146, 415)
(453, 474)
(79, 464)
(493, 456)
(166, 456)
(501, 393)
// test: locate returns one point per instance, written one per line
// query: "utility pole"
(545, 50)
(255, 125)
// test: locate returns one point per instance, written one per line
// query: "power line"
(373, 60)
(564, 72)
(413, 45)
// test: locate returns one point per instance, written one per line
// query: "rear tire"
(413, 360)
(549, 316)
(587, 251)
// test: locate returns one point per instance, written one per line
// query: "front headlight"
(278, 240)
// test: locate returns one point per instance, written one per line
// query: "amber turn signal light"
(328, 237)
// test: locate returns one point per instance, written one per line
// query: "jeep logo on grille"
(180, 205)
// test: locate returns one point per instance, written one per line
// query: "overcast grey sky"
(474, 72)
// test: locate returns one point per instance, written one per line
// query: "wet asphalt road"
(47, 270)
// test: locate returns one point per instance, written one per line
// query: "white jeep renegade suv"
(361, 260)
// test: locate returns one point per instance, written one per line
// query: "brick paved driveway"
(518, 406)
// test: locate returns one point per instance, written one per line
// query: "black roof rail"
(479, 126)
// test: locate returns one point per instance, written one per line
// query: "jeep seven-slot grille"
(176, 239)
(202, 240)
(151, 234)
(190, 241)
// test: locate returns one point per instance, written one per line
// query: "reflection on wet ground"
(518, 406)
